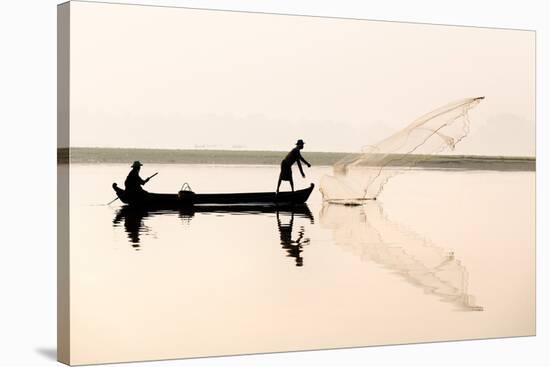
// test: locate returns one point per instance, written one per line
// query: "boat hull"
(189, 198)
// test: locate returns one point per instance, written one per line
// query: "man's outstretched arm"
(300, 168)
(304, 160)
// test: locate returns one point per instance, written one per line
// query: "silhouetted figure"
(294, 248)
(292, 157)
(133, 182)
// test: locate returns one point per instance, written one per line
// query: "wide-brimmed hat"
(300, 142)
(136, 164)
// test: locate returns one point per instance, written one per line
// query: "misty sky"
(153, 77)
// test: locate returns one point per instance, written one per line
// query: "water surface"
(442, 255)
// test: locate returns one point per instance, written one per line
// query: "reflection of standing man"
(292, 247)
(292, 157)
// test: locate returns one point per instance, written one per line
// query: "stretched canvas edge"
(63, 219)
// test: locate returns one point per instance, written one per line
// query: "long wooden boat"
(188, 198)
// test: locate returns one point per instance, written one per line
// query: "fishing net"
(362, 176)
(365, 231)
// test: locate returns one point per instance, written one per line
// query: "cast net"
(362, 176)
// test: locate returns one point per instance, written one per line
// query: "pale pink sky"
(157, 77)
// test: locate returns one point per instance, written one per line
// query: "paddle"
(153, 175)
(112, 201)
(148, 178)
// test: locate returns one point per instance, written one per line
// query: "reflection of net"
(362, 176)
(366, 232)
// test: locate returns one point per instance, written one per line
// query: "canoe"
(188, 198)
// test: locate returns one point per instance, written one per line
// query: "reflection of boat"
(366, 232)
(189, 198)
(133, 217)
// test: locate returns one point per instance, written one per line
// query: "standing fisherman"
(292, 157)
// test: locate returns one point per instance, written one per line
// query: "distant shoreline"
(243, 157)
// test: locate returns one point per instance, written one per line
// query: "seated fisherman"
(133, 182)
(292, 157)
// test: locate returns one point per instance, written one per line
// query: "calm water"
(441, 256)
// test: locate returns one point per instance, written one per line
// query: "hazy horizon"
(244, 149)
(183, 78)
